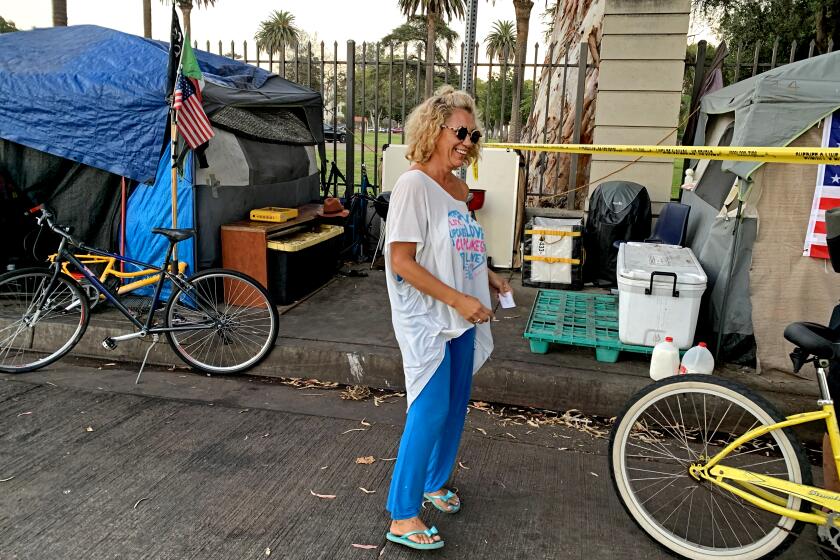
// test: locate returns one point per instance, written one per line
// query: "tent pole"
(122, 222)
(174, 163)
(732, 254)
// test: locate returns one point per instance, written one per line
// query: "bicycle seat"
(815, 339)
(174, 235)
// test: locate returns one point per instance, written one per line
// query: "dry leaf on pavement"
(353, 430)
(323, 496)
(88, 429)
(137, 503)
(365, 460)
(356, 393)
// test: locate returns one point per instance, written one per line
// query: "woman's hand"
(498, 285)
(471, 309)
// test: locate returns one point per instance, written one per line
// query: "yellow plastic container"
(303, 240)
(273, 214)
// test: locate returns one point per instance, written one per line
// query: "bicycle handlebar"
(46, 216)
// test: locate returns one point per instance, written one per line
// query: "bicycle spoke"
(241, 321)
(661, 438)
(27, 299)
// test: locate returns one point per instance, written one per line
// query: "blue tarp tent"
(90, 102)
(96, 95)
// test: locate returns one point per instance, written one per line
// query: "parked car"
(339, 133)
(397, 129)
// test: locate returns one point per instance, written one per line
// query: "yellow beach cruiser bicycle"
(709, 469)
(111, 275)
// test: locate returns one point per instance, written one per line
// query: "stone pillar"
(639, 89)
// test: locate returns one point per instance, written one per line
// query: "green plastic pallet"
(577, 319)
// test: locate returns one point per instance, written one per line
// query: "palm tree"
(434, 10)
(186, 7)
(59, 11)
(501, 41)
(522, 8)
(147, 19)
(277, 31)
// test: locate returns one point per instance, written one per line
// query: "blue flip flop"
(405, 541)
(439, 501)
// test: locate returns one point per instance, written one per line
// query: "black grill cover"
(618, 211)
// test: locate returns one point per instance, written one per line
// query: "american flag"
(826, 195)
(193, 123)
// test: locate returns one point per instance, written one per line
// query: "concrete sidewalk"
(343, 333)
(188, 467)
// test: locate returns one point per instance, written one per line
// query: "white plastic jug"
(697, 360)
(665, 360)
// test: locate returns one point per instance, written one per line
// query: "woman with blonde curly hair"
(439, 287)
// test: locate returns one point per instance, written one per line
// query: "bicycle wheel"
(24, 305)
(687, 419)
(226, 322)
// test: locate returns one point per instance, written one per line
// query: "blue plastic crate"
(577, 319)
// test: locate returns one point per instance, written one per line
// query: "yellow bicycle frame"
(750, 486)
(151, 275)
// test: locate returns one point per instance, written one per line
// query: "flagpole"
(173, 152)
(173, 148)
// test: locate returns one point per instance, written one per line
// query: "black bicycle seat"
(174, 235)
(815, 339)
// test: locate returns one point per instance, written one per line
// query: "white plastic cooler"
(659, 291)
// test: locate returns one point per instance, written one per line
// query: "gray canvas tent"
(748, 220)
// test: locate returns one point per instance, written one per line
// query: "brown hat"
(333, 209)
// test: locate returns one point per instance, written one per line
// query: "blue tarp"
(150, 206)
(96, 95)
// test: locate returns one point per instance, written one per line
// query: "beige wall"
(639, 88)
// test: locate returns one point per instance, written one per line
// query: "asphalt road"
(187, 466)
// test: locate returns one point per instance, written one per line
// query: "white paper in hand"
(506, 299)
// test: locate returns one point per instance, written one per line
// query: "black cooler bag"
(618, 211)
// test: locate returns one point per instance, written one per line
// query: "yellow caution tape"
(551, 259)
(736, 153)
(554, 232)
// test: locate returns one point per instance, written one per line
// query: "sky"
(237, 20)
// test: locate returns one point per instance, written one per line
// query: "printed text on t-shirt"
(467, 237)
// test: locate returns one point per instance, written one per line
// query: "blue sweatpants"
(433, 429)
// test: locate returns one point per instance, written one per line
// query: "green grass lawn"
(676, 179)
(372, 160)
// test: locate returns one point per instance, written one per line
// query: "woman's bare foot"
(452, 503)
(403, 526)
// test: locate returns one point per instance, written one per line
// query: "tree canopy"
(501, 40)
(278, 30)
(7, 26)
(414, 31)
(746, 23)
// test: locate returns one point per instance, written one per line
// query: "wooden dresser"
(244, 244)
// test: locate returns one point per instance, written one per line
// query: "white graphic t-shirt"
(450, 245)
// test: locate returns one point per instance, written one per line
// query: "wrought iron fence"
(740, 63)
(381, 83)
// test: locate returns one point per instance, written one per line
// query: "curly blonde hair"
(423, 125)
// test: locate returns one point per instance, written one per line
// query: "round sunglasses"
(462, 132)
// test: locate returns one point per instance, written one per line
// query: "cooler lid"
(636, 261)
